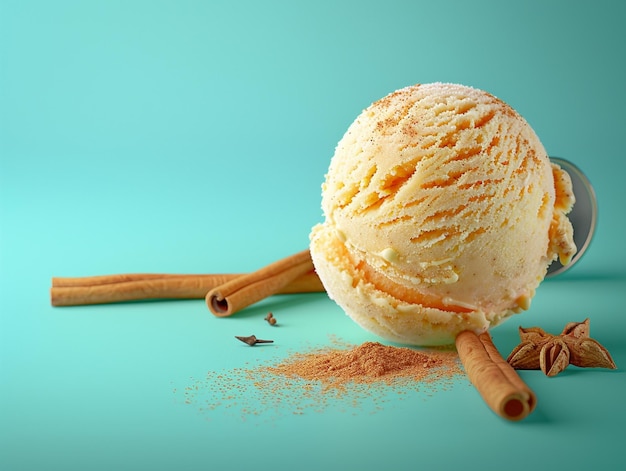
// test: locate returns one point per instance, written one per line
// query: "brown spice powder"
(368, 363)
(367, 376)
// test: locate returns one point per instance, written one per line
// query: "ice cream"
(442, 213)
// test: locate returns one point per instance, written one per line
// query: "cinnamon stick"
(497, 382)
(232, 296)
(112, 279)
(142, 286)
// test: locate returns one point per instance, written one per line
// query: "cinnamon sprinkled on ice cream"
(442, 214)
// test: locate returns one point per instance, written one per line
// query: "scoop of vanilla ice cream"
(442, 213)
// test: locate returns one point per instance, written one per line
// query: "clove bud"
(252, 340)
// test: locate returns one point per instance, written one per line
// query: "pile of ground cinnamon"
(368, 363)
(367, 376)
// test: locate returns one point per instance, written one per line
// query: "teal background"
(192, 137)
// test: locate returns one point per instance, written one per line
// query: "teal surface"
(192, 137)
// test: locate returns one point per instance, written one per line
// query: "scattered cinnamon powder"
(349, 377)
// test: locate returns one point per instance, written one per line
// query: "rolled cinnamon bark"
(137, 287)
(497, 382)
(63, 282)
(101, 290)
(507, 370)
(245, 290)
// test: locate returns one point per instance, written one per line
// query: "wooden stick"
(136, 287)
(241, 292)
(497, 382)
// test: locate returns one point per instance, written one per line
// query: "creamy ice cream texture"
(442, 214)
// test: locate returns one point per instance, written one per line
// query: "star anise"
(553, 353)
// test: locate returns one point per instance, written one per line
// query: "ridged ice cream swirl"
(442, 213)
